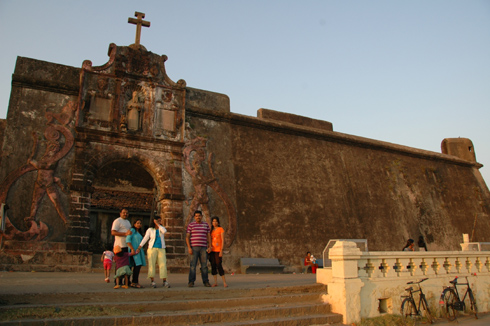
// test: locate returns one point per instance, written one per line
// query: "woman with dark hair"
(156, 251)
(138, 260)
(409, 246)
(310, 261)
(216, 254)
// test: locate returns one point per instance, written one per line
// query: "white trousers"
(155, 254)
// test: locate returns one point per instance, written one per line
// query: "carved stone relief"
(195, 160)
(133, 108)
(58, 125)
(100, 101)
(167, 112)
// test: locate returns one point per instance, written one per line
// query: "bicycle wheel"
(472, 305)
(425, 306)
(408, 310)
(449, 299)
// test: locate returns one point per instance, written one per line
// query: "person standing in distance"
(121, 228)
(156, 251)
(136, 261)
(216, 254)
(198, 241)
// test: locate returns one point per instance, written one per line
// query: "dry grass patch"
(391, 320)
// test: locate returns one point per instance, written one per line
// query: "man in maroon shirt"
(198, 242)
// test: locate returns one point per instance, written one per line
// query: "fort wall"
(297, 187)
(281, 184)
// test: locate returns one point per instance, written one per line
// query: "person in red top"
(310, 262)
(216, 254)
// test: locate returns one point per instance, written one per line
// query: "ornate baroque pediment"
(132, 94)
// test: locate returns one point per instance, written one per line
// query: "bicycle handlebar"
(419, 281)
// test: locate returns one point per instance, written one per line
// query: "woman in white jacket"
(156, 251)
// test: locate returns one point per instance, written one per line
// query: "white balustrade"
(368, 284)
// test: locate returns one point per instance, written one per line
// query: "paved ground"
(52, 282)
(20, 283)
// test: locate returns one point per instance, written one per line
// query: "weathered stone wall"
(3, 125)
(64, 126)
(297, 187)
(217, 130)
(156, 157)
(281, 184)
(37, 87)
(35, 123)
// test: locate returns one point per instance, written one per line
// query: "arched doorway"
(117, 185)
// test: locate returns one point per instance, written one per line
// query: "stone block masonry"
(81, 143)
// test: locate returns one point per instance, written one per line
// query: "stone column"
(78, 229)
(171, 213)
(344, 288)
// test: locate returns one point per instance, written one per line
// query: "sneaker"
(191, 284)
(166, 284)
(107, 280)
(207, 285)
(125, 287)
(153, 284)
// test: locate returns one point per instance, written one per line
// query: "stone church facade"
(79, 144)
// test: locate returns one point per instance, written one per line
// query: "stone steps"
(302, 320)
(147, 294)
(164, 305)
(291, 314)
(295, 305)
(321, 319)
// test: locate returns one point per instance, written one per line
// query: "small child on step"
(121, 259)
(107, 257)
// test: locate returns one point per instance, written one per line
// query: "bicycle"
(409, 309)
(452, 303)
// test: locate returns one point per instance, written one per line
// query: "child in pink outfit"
(107, 257)
(121, 259)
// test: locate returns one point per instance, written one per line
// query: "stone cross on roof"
(138, 22)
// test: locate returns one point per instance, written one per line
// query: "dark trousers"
(136, 274)
(216, 263)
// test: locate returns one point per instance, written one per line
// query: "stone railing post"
(344, 290)
(369, 284)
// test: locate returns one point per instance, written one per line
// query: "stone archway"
(129, 176)
(118, 184)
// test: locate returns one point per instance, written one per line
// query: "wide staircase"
(290, 305)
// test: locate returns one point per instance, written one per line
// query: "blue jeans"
(201, 254)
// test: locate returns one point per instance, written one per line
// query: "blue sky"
(405, 72)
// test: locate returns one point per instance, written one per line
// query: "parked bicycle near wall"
(410, 310)
(451, 302)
